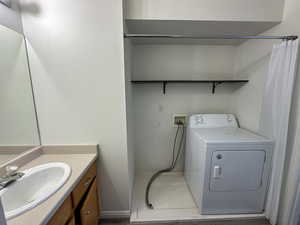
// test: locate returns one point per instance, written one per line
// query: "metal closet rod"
(289, 37)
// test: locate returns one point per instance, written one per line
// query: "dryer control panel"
(212, 121)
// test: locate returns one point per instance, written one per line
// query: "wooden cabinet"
(72, 221)
(63, 213)
(89, 212)
(83, 185)
(82, 206)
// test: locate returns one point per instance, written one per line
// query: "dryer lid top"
(212, 121)
(230, 135)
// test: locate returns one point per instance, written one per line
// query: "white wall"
(77, 62)
(129, 113)
(251, 62)
(207, 10)
(182, 62)
(10, 17)
(17, 115)
(153, 111)
(254, 56)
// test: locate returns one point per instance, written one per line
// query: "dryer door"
(237, 170)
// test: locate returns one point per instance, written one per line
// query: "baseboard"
(115, 214)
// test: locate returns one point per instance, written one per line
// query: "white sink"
(36, 186)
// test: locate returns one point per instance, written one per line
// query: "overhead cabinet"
(201, 17)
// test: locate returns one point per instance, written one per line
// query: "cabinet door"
(83, 185)
(63, 213)
(90, 210)
(237, 170)
(72, 221)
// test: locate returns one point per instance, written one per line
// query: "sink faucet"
(11, 176)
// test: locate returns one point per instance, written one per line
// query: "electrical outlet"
(179, 118)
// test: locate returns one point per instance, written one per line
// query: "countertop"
(6, 157)
(42, 213)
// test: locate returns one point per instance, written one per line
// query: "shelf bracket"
(164, 87)
(214, 85)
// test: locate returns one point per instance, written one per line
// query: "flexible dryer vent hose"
(173, 163)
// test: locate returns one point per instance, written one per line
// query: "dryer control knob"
(217, 172)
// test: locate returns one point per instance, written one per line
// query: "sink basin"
(36, 186)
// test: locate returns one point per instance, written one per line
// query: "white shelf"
(199, 28)
(213, 82)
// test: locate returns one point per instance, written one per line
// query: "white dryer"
(226, 168)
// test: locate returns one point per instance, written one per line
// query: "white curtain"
(275, 114)
(295, 213)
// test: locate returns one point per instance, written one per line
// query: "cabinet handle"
(87, 212)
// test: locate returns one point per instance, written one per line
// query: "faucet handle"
(11, 170)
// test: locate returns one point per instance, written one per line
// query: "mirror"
(18, 123)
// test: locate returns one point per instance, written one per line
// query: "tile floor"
(126, 222)
(173, 201)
